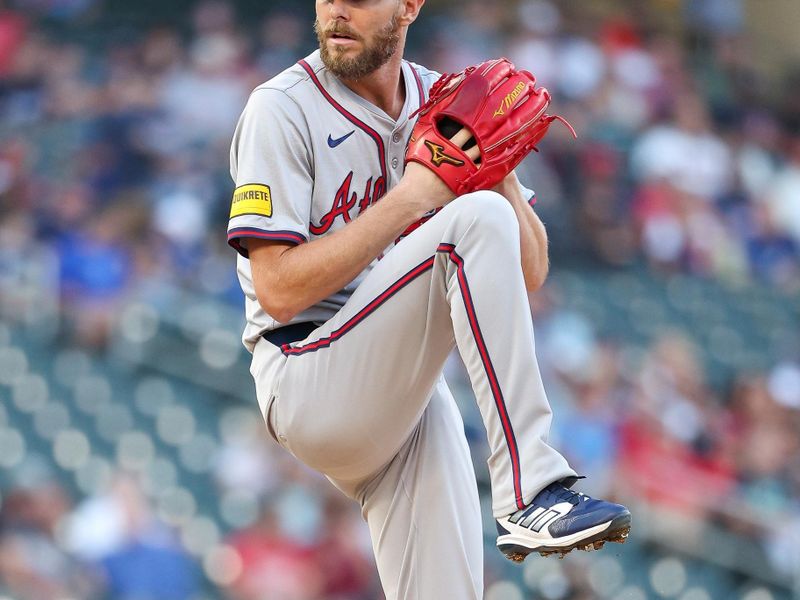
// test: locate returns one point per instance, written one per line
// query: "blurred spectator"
(137, 555)
(686, 153)
(12, 33)
(782, 196)
(717, 17)
(334, 562)
(283, 40)
(274, 565)
(589, 427)
(345, 553)
(204, 101)
(33, 566)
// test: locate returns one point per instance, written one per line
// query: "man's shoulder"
(423, 70)
(293, 80)
(428, 76)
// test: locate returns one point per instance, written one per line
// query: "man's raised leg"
(351, 395)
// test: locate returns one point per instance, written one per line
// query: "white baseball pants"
(362, 399)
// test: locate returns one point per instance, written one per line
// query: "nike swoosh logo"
(332, 143)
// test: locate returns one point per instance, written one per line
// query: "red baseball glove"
(504, 114)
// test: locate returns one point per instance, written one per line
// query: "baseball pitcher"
(379, 224)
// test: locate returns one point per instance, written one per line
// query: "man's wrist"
(512, 192)
(406, 199)
(424, 188)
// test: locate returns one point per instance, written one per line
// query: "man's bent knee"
(485, 212)
(484, 202)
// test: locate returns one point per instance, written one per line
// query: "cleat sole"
(617, 532)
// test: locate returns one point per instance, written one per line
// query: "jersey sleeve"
(528, 194)
(271, 167)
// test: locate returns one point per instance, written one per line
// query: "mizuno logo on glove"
(438, 156)
(509, 100)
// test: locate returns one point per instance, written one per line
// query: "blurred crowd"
(291, 536)
(114, 175)
(645, 424)
(687, 160)
(114, 154)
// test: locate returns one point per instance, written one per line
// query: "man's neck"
(385, 88)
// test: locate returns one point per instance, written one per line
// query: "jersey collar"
(345, 95)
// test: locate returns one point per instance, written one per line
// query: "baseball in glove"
(479, 124)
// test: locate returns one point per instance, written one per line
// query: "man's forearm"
(289, 279)
(308, 273)
(533, 237)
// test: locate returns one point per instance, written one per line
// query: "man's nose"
(339, 10)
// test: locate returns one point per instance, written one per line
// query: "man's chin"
(347, 69)
(346, 63)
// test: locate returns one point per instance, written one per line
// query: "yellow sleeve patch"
(252, 199)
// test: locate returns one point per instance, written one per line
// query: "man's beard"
(371, 58)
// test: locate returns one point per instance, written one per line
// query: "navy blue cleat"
(559, 520)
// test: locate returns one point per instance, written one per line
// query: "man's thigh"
(353, 391)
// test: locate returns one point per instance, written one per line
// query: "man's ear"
(409, 11)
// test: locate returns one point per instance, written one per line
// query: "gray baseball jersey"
(362, 399)
(308, 156)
